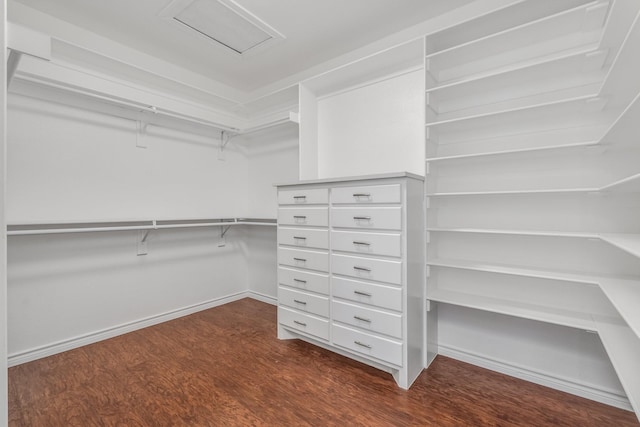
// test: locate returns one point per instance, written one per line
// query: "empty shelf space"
(623, 348)
(627, 242)
(561, 77)
(527, 113)
(514, 271)
(514, 151)
(563, 31)
(512, 308)
(513, 192)
(518, 232)
(625, 297)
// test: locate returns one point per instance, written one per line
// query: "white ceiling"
(315, 31)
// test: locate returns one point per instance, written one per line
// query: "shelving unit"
(530, 138)
(96, 226)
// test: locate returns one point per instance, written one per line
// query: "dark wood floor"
(224, 367)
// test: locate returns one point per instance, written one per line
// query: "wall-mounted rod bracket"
(142, 125)
(225, 137)
(223, 230)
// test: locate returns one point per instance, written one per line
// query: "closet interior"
(139, 198)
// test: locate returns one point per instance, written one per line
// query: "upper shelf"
(570, 29)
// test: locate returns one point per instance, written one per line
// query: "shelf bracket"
(225, 137)
(142, 242)
(223, 230)
(12, 64)
(142, 124)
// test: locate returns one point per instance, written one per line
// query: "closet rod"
(80, 227)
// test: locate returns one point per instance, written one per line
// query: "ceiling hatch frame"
(266, 35)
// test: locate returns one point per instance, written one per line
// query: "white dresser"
(351, 269)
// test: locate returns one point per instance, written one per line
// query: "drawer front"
(367, 243)
(369, 345)
(380, 218)
(307, 323)
(367, 293)
(313, 260)
(304, 280)
(304, 238)
(367, 268)
(303, 196)
(302, 301)
(368, 318)
(391, 193)
(317, 217)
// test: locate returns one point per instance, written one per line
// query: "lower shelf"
(623, 348)
(517, 309)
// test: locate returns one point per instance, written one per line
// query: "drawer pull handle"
(299, 238)
(299, 281)
(361, 344)
(300, 216)
(299, 302)
(364, 294)
(355, 267)
(300, 197)
(361, 195)
(299, 323)
(300, 259)
(362, 319)
(361, 243)
(362, 218)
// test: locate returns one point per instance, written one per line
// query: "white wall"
(81, 166)
(3, 238)
(375, 128)
(570, 359)
(273, 159)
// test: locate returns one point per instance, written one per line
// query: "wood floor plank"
(225, 367)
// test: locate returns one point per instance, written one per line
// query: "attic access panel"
(221, 21)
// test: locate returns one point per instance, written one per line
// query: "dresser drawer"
(367, 194)
(304, 280)
(318, 217)
(303, 301)
(367, 268)
(304, 237)
(312, 260)
(307, 323)
(384, 349)
(303, 196)
(368, 318)
(367, 243)
(373, 218)
(367, 293)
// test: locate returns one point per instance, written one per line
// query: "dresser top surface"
(353, 179)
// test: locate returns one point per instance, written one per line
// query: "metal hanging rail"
(92, 227)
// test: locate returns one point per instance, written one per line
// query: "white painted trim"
(93, 337)
(263, 297)
(552, 381)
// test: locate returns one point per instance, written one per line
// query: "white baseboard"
(93, 337)
(263, 297)
(541, 378)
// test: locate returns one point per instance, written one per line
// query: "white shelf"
(561, 77)
(518, 232)
(625, 297)
(511, 308)
(515, 151)
(629, 243)
(623, 348)
(562, 31)
(624, 185)
(27, 229)
(513, 192)
(516, 271)
(531, 112)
